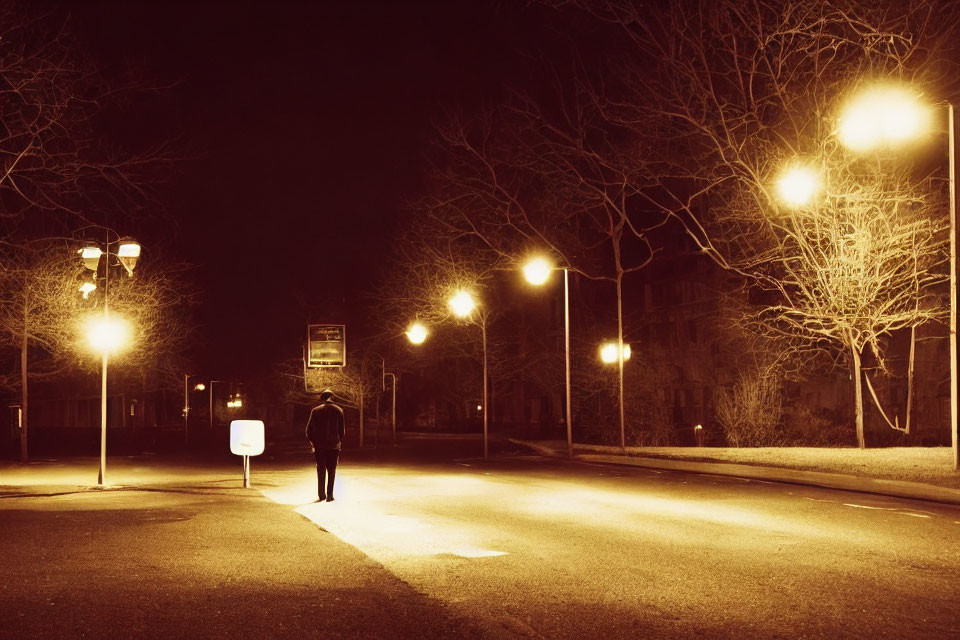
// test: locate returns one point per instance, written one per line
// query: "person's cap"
(326, 394)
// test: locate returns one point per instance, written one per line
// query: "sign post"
(246, 439)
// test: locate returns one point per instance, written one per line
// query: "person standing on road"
(325, 429)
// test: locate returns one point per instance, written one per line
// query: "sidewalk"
(940, 485)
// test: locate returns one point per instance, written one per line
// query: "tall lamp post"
(200, 386)
(888, 115)
(383, 387)
(393, 387)
(106, 334)
(537, 271)
(463, 305)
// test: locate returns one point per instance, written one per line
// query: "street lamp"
(107, 334)
(462, 304)
(797, 185)
(383, 387)
(417, 333)
(608, 352)
(889, 116)
(885, 115)
(537, 271)
(233, 402)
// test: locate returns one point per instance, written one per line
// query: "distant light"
(479, 407)
(797, 186)
(462, 304)
(885, 115)
(200, 386)
(86, 288)
(608, 352)
(417, 333)
(537, 271)
(698, 427)
(108, 334)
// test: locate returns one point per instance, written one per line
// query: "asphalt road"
(429, 541)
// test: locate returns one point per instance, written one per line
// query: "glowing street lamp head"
(200, 386)
(798, 185)
(462, 304)
(885, 115)
(608, 352)
(129, 253)
(537, 271)
(86, 288)
(108, 334)
(417, 333)
(90, 256)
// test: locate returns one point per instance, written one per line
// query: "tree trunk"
(913, 343)
(858, 395)
(623, 433)
(24, 454)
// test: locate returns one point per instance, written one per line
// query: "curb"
(840, 481)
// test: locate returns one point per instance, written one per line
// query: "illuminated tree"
(427, 269)
(40, 300)
(721, 96)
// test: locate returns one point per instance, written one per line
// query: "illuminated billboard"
(326, 345)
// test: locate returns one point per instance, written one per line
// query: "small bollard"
(698, 433)
(246, 439)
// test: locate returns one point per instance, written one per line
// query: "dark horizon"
(304, 131)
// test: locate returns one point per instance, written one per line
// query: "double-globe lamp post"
(106, 334)
(885, 116)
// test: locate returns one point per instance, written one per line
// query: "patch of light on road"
(363, 515)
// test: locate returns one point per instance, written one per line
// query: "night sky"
(303, 128)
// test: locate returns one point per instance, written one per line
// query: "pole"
(393, 404)
(483, 329)
(566, 340)
(211, 408)
(102, 475)
(623, 440)
(361, 417)
(186, 408)
(246, 471)
(953, 287)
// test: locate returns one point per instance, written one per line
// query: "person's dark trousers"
(326, 462)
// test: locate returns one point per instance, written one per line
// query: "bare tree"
(558, 180)
(725, 94)
(40, 299)
(52, 158)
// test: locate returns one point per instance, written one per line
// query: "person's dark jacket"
(325, 428)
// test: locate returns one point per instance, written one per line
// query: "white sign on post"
(246, 439)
